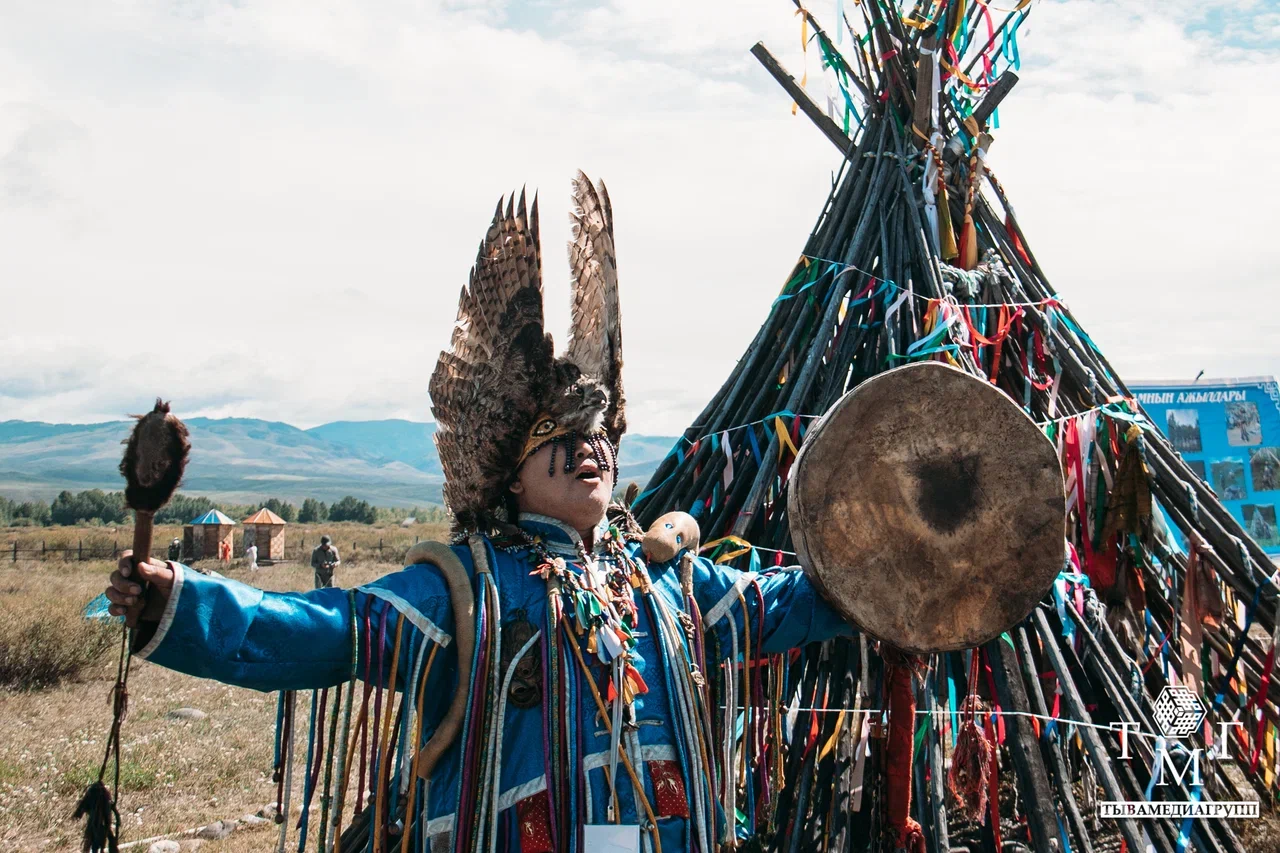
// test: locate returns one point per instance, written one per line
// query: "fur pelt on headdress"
(500, 377)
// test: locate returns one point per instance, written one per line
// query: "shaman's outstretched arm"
(234, 633)
(780, 607)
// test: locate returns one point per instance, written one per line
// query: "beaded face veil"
(499, 393)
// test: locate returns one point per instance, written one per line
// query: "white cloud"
(268, 208)
(1135, 149)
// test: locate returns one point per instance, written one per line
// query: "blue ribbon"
(1071, 325)
(1061, 591)
(1009, 46)
(1184, 830)
(1235, 654)
(787, 296)
(1062, 832)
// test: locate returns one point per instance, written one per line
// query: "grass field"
(176, 774)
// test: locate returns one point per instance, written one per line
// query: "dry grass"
(45, 640)
(176, 774)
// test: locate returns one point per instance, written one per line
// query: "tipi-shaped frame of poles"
(918, 254)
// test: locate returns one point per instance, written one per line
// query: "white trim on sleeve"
(415, 616)
(726, 602)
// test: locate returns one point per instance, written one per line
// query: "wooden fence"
(79, 552)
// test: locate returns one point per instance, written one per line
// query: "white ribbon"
(728, 459)
(929, 189)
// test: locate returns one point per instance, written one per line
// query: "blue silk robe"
(225, 630)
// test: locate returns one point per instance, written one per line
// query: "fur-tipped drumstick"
(154, 458)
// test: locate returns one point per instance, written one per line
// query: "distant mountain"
(639, 455)
(389, 462)
(409, 442)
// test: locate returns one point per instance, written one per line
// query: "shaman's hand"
(126, 596)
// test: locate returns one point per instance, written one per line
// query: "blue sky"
(266, 208)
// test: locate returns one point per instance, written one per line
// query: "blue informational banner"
(1228, 431)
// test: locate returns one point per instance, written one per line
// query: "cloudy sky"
(266, 207)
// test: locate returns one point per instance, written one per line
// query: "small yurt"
(201, 538)
(266, 530)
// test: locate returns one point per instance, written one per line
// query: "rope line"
(945, 714)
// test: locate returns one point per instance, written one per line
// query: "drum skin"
(928, 509)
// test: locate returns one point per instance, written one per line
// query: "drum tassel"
(900, 758)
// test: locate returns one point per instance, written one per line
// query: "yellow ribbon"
(955, 28)
(803, 261)
(831, 741)
(784, 438)
(1022, 4)
(804, 48)
(960, 75)
(744, 547)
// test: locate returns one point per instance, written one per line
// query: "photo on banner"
(1264, 468)
(1231, 427)
(1184, 430)
(1228, 479)
(1260, 522)
(1244, 425)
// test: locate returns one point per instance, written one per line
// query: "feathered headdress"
(499, 393)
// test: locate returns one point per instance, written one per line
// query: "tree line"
(94, 506)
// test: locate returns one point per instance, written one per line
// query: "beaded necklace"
(598, 603)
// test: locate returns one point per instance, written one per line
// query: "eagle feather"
(500, 372)
(595, 331)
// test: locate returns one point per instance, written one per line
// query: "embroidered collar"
(556, 536)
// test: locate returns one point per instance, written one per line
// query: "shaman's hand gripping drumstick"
(154, 458)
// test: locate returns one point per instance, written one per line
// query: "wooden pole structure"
(857, 302)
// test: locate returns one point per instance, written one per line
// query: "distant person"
(251, 555)
(324, 559)
(1260, 529)
(175, 550)
(224, 552)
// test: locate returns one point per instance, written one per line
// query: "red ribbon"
(1072, 451)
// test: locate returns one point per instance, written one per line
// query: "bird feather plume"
(500, 373)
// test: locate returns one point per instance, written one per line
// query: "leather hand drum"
(928, 509)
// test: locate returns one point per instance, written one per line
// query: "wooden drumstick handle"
(142, 533)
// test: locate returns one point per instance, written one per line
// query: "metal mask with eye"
(547, 430)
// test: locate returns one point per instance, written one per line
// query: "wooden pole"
(824, 122)
(995, 94)
(1028, 763)
(1062, 776)
(1098, 754)
(937, 780)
